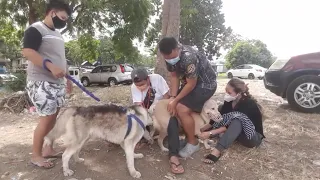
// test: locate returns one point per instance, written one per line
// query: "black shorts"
(196, 98)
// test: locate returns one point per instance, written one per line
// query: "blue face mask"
(173, 61)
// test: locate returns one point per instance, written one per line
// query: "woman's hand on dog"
(204, 135)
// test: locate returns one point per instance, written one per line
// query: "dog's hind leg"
(128, 147)
(76, 154)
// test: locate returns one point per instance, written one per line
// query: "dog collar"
(129, 119)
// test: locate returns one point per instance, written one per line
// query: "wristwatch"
(211, 135)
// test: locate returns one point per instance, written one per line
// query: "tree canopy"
(202, 25)
(86, 48)
(127, 19)
(9, 39)
(249, 52)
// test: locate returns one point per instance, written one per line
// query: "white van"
(75, 73)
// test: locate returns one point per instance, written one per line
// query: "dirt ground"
(291, 150)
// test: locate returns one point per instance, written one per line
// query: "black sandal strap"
(212, 157)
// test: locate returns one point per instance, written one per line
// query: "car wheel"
(251, 76)
(303, 94)
(112, 82)
(85, 82)
(230, 75)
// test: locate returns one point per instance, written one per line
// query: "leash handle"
(82, 88)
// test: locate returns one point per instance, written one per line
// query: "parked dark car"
(296, 79)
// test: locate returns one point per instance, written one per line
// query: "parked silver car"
(111, 74)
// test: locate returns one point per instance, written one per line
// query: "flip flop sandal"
(212, 159)
(39, 165)
(57, 155)
(176, 167)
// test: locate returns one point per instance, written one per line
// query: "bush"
(17, 84)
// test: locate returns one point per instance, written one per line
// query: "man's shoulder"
(188, 51)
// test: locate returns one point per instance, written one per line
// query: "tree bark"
(170, 27)
(32, 12)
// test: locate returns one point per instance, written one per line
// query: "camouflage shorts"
(46, 97)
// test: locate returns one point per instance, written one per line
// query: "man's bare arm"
(191, 83)
(175, 82)
(34, 57)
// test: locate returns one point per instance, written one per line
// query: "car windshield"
(128, 69)
(278, 64)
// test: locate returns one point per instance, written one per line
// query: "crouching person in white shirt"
(147, 90)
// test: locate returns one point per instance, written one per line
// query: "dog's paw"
(164, 149)
(79, 160)
(68, 172)
(138, 156)
(135, 174)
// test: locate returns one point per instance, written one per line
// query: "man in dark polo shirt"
(43, 46)
(198, 84)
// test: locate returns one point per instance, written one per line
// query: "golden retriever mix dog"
(161, 117)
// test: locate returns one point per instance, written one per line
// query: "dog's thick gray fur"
(108, 122)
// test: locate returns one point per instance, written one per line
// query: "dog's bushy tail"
(60, 126)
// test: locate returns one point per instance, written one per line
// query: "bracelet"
(44, 64)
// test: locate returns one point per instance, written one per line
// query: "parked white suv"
(111, 74)
(250, 71)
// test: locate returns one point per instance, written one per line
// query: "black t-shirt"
(193, 64)
(32, 39)
(248, 107)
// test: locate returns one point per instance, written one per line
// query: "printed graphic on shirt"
(191, 68)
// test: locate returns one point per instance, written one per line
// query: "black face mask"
(58, 23)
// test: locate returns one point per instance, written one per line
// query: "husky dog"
(124, 126)
(161, 117)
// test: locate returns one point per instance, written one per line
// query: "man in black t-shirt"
(198, 84)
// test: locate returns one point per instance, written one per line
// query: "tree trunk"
(32, 12)
(170, 27)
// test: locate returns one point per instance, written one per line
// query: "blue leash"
(129, 119)
(73, 80)
(82, 88)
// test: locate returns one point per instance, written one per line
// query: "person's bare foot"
(176, 167)
(48, 152)
(42, 162)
